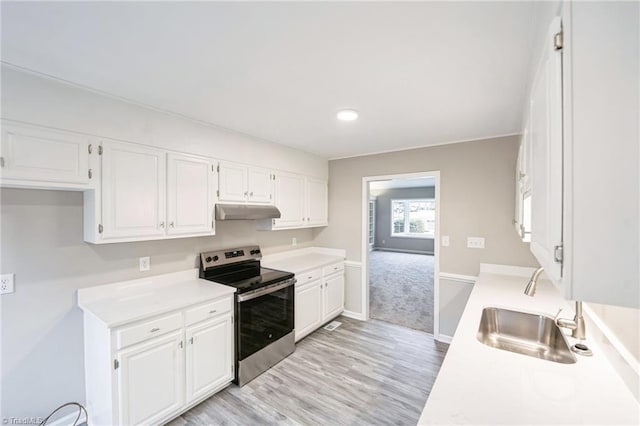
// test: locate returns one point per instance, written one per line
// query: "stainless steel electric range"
(264, 315)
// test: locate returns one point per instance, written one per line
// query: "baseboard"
(354, 315)
(403, 250)
(467, 279)
(443, 338)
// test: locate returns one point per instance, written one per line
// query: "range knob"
(208, 259)
(215, 258)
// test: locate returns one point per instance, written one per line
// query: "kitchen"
(90, 74)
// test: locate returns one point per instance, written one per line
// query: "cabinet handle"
(308, 219)
(246, 193)
(154, 329)
(213, 311)
(171, 224)
(161, 224)
(309, 277)
(181, 344)
(191, 340)
(251, 194)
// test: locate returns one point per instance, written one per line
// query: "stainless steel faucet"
(576, 325)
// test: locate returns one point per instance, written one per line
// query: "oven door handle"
(262, 291)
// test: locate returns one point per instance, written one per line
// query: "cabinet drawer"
(306, 277)
(208, 310)
(336, 267)
(137, 333)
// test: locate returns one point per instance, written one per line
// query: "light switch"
(475, 242)
(445, 241)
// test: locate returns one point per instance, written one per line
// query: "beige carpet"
(401, 289)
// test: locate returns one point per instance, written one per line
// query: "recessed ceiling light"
(347, 115)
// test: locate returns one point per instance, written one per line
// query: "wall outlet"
(6, 283)
(294, 242)
(475, 242)
(145, 263)
(445, 241)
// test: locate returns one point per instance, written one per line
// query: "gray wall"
(476, 191)
(383, 238)
(41, 239)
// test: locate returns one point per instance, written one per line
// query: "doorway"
(400, 254)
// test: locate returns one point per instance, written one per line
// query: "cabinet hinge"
(218, 168)
(1, 161)
(232, 368)
(90, 174)
(231, 320)
(100, 229)
(558, 253)
(218, 192)
(99, 149)
(558, 40)
(116, 364)
(90, 148)
(274, 177)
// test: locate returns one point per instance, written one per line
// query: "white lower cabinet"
(151, 380)
(150, 371)
(308, 308)
(209, 356)
(319, 298)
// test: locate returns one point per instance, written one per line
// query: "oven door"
(263, 316)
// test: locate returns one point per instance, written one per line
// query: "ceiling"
(402, 183)
(418, 73)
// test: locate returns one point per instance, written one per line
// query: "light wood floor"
(362, 373)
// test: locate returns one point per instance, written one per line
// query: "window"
(413, 218)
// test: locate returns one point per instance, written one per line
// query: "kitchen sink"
(528, 334)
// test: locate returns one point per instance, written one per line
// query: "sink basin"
(528, 334)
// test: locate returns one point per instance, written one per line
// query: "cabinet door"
(133, 191)
(33, 153)
(232, 182)
(308, 309)
(190, 183)
(209, 356)
(317, 194)
(260, 185)
(151, 380)
(333, 296)
(546, 159)
(289, 193)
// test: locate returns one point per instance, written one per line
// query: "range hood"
(246, 211)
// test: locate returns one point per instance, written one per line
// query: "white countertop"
(302, 260)
(478, 384)
(127, 301)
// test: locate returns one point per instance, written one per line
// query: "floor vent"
(332, 325)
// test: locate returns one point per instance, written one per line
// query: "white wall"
(41, 239)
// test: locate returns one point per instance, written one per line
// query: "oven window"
(263, 320)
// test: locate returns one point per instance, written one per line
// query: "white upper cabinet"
(546, 158)
(260, 188)
(290, 200)
(317, 195)
(584, 165)
(602, 162)
(244, 184)
(232, 182)
(146, 193)
(190, 183)
(302, 201)
(133, 191)
(33, 156)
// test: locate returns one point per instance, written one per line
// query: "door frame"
(436, 243)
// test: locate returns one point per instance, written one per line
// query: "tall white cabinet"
(583, 133)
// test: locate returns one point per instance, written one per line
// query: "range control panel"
(224, 257)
